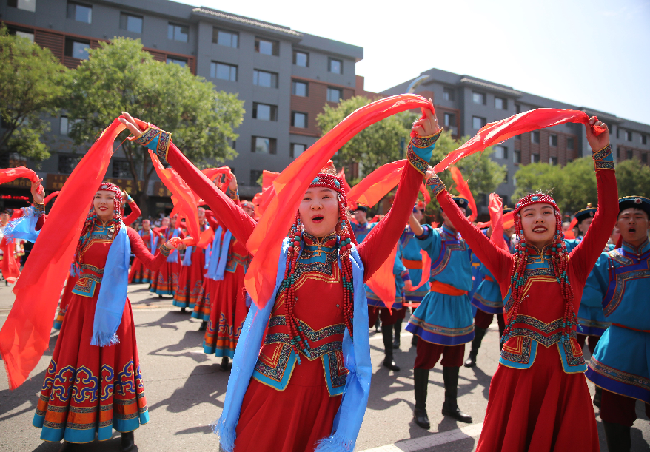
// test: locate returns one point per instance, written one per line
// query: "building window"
(628, 135)
(26, 35)
(644, 157)
(500, 103)
(225, 38)
(478, 122)
(300, 58)
(223, 71)
(264, 145)
(618, 153)
(534, 137)
(478, 98)
(552, 161)
(504, 198)
(299, 119)
(267, 47)
(300, 89)
(449, 120)
(63, 126)
(296, 150)
(121, 169)
(334, 94)
(131, 23)
(26, 5)
(335, 66)
(448, 94)
(256, 177)
(80, 12)
(67, 163)
(552, 140)
(630, 154)
(265, 79)
(517, 156)
(517, 137)
(177, 32)
(76, 49)
(570, 143)
(265, 112)
(644, 137)
(534, 158)
(500, 151)
(180, 61)
(505, 181)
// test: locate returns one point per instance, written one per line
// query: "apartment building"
(284, 77)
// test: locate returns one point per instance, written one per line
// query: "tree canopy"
(31, 86)
(121, 76)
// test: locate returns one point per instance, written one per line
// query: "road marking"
(426, 442)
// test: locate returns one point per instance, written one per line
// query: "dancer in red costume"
(190, 276)
(297, 387)
(90, 389)
(139, 274)
(539, 400)
(162, 278)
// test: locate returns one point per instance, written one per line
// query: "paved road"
(185, 391)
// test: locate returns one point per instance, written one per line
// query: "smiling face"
(146, 225)
(633, 225)
(104, 204)
(319, 211)
(538, 223)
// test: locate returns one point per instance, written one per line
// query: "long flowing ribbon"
(264, 242)
(212, 173)
(465, 192)
(382, 282)
(50, 197)
(182, 197)
(11, 174)
(497, 132)
(496, 216)
(26, 333)
(426, 269)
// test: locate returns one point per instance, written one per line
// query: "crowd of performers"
(300, 378)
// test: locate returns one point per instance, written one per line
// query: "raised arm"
(379, 243)
(498, 261)
(152, 262)
(135, 211)
(585, 255)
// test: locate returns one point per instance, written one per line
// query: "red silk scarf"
(11, 174)
(465, 192)
(26, 333)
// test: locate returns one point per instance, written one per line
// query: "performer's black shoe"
(127, 442)
(182, 309)
(389, 363)
(452, 410)
(479, 334)
(471, 360)
(597, 396)
(204, 326)
(421, 382)
(450, 405)
(226, 365)
(377, 324)
(69, 447)
(619, 438)
(159, 296)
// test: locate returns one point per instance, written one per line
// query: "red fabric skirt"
(203, 301)
(89, 389)
(65, 301)
(139, 274)
(540, 409)
(227, 314)
(293, 420)
(190, 281)
(162, 280)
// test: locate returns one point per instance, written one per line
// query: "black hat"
(507, 209)
(587, 212)
(361, 208)
(636, 202)
(462, 203)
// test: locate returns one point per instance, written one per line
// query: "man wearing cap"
(362, 227)
(488, 300)
(443, 322)
(620, 364)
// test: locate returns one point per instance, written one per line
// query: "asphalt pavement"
(185, 391)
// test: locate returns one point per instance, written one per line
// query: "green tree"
(30, 87)
(375, 145)
(120, 76)
(541, 177)
(633, 178)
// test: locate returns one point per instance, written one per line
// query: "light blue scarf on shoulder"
(112, 293)
(23, 228)
(349, 417)
(219, 257)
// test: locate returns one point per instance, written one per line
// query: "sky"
(592, 54)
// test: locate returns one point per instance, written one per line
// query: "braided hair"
(345, 239)
(559, 258)
(92, 219)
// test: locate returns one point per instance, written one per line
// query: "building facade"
(464, 104)
(284, 77)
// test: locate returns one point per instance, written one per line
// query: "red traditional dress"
(297, 403)
(91, 390)
(140, 274)
(190, 277)
(539, 399)
(161, 283)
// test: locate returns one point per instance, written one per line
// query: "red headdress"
(327, 178)
(92, 216)
(559, 263)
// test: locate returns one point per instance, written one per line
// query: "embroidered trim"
(418, 162)
(435, 184)
(619, 375)
(425, 142)
(603, 158)
(162, 143)
(165, 250)
(39, 209)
